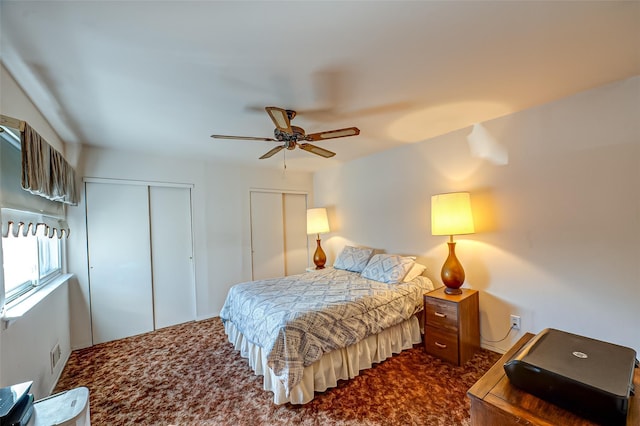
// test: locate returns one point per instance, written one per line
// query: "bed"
(305, 332)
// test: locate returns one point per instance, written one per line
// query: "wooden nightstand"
(313, 268)
(451, 325)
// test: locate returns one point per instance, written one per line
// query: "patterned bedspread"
(297, 319)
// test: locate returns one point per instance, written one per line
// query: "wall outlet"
(515, 322)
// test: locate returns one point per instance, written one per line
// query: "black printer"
(16, 404)
(589, 377)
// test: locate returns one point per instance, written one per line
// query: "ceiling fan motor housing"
(297, 135)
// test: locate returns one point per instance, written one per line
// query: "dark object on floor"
(16, 404)
(590, 377)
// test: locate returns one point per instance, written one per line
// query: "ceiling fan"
(293, 136)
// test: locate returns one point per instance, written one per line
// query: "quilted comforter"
(297, 319)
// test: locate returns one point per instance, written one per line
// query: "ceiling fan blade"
(280, 118)
(332, 134)
(316, 150)
(249, 138)
(272, 152)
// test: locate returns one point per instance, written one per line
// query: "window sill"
(18, 310)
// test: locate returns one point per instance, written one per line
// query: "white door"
(172, 255)
(278, 234)
(119, 260)
(267, 230)
(295, 233)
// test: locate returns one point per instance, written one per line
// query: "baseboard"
(492, 348)
(206, 317)
(81, 346)
(57, 379)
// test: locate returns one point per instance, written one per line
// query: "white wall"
(220, 219)
(25, 345)
(15, 103)
(557, 228)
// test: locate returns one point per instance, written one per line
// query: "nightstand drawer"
(442, 314)
(442, 344)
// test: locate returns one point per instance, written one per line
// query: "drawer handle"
(440, 314)
(441, 345)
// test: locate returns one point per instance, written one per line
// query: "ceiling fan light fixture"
(292, 135)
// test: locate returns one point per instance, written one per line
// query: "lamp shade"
(451, 214)
(317, 222)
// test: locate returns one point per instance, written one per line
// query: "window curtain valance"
(22, 222)
(45, 172)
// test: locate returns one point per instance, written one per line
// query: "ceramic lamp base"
(452, 273)
(319, 258)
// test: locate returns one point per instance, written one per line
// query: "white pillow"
(426, 283)
(415, 271)
(387, 268)
(353, 258)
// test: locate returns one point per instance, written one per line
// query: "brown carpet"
(190, 375)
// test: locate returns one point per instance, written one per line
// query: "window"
(29, 262)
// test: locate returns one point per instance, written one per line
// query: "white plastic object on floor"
(69, 408)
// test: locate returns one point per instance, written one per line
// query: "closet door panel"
(267, 230)
(172, 255)
(119, 266)
(295, 233)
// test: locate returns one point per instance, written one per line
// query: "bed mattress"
(295, 320)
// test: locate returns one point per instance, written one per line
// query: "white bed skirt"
(340, 364)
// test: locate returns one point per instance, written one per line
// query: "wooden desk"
(494, 401)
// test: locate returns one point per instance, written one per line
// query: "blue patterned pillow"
(353, 259)
(388, 268)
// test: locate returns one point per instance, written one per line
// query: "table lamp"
(317, 223)
(451, 215)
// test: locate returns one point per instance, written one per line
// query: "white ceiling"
(164, 75)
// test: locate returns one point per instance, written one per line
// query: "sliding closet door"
(172, 255)
(278, 234)
(295, 233)
(119, 267)
(267, 229)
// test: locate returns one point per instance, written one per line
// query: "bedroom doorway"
(278, 233)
